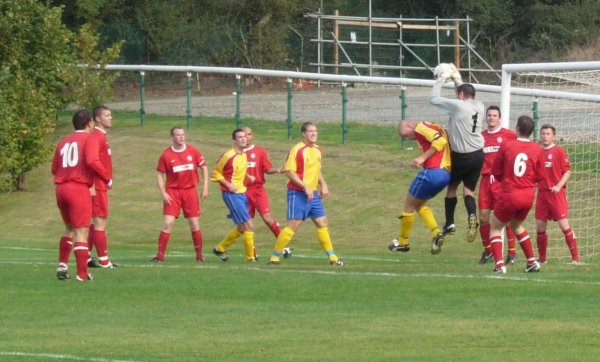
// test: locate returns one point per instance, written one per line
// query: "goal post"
(567, 96)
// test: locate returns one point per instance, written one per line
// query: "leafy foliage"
(33, 63)
(91, 87)
(38, 64)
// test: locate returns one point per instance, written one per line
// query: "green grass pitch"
(381, 306)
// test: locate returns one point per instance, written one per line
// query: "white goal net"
(567, 96)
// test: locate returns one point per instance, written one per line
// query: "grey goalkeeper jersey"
(467, 118)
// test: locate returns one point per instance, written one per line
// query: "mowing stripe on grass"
(59, 357)
(342, 272)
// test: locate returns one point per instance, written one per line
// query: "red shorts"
(100, 204)
(186, 199)
(550, 206)
(513, 204)
(488, 192)
(258, 200)
(75, 204)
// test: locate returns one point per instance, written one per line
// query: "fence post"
(536, 118)
(238, 95)
(344, 112)
(188, 95)
(142, 94)
(289, 107)
(403, 107)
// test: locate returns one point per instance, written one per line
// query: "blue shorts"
(298, 206)
(238, 207)
(428, 183)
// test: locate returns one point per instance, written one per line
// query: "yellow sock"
(249, 244)
(325, 240)
(429, 220)
(407, 219)
(285, 236)
(230, 238)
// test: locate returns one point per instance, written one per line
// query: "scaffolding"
(402, 47)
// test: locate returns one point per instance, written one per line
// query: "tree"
(92, 85)
(39, 75)
(34, 60)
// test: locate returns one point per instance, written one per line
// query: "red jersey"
(69, 163)
(492, 140)
(430, 135)
(557, 164)
(101, 157)
(519, 164)
(258, 164)
(181, 167)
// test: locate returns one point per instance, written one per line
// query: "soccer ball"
(287, 252)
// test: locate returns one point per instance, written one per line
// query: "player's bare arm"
(204, 193)
(324, 192)
(160, 181)
(295, 179)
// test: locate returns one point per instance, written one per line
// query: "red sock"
(163, 240)
(496, 246)
(91, 241)
(572, 244)
(484, 231)
(101, 248)
(197, 238)
(65, 245)
(511, 240)
(542, 245)
(275, 229)
(525, 242)
(81, 256)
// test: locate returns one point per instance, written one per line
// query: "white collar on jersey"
(181, 150)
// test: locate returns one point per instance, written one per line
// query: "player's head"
(406, 129)
(493, 116)
(548, 127)
(82, 119)
(525, 126)
(249, 134)
(465, 91)
(309, 133)
(240, 141)
(178, 136)
(102, 117)
(547, 134)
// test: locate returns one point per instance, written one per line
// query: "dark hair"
(98, 110)
(172, 131)
(493, 108)
(81, 119)
(548, 126)
(235, 132)
(305, 126)
(525, 125)
(467, 89)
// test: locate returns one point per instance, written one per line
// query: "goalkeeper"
(466, 118)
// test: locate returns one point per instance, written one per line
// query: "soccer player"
(433, 178)
(551, 202)
(466, 142)
(303, 169)
(179, 164)
(519, 166)
(101, 154)
(230, 173)
(494, 136)
(74, 177)
(258, 198)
